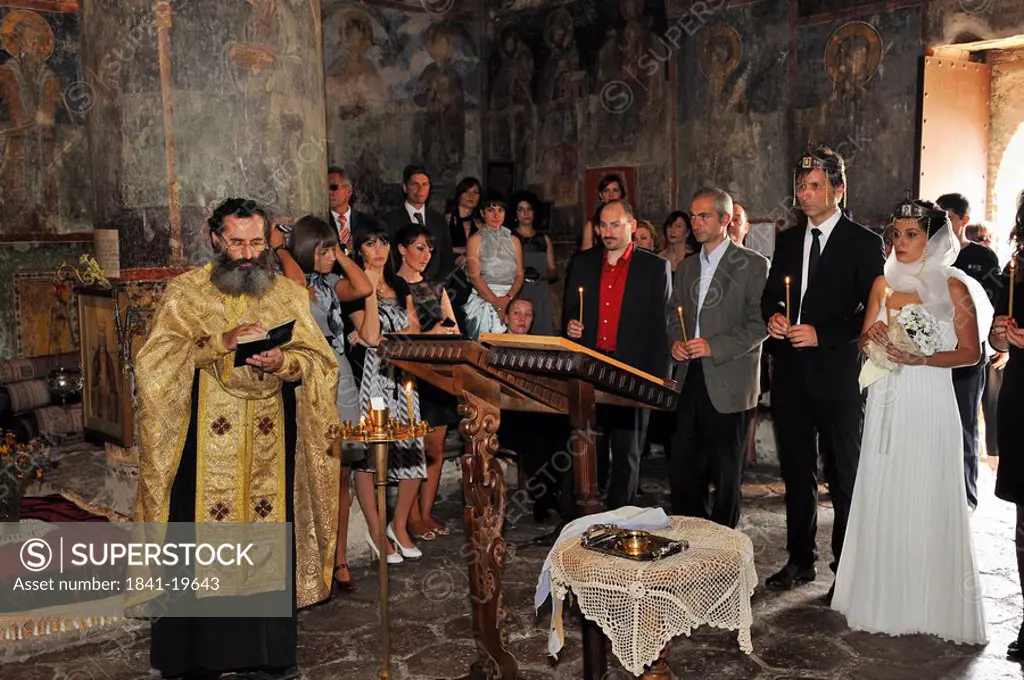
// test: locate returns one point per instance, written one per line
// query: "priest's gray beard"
(248, 276)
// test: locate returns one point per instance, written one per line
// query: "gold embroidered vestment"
(240, 442)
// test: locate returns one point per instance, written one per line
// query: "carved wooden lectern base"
(520, 373)
(483, 484)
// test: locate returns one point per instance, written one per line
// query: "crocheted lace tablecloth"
(642, 605)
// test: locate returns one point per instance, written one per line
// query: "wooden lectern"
(519, 373)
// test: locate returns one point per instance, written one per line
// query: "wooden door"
(955, 115)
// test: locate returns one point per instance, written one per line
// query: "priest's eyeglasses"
(237, 245)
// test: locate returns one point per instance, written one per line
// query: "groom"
(816, 399)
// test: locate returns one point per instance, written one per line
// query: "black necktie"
(419, 218)
(812, 261)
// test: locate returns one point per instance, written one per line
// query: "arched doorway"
(1009, 184)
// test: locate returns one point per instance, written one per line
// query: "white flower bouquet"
(914, 330)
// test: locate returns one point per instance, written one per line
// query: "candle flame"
(787, 279)
(408, 386)
(680, 309)
(581, 289)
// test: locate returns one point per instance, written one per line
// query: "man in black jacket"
(625, 294)
(416, 183)
(814, 323)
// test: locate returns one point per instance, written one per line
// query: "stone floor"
(794, 635)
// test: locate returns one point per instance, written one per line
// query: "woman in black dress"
(463, 216)
(538, 262)
(412, 250)
(1008, 334)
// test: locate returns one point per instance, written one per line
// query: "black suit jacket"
(356, 220)
(442, 263)
(834, 304)
(642, 339)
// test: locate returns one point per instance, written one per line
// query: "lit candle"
(787, 299)
(581, 305)
(408, 401)
(1013, 276)
(682, 326)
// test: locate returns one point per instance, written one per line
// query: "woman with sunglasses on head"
(388, 309)
(412, 250)
(314, 248)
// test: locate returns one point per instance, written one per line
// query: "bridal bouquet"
(914, 330)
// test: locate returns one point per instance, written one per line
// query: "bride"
(909, 563)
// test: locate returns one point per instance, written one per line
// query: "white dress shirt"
(708, 267)
(412, 212)
(826, 228)
(348, 220)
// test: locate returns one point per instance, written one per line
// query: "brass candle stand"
(378, 432)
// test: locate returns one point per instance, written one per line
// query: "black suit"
(815, 390)
(442, 263)
(356, 220)
(641, 342)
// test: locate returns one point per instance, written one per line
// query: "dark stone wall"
(575, 89)
(240, 87)
(402, 85)
(44, 178)
(716, 92)
(733, 106)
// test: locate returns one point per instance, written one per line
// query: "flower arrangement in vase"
(20, 464)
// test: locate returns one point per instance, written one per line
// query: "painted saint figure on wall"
(441, 126)
(731, 131)
(562, 89)
(846, 119)
(103, 381)
(30, 93)
(513, 115)
(353, 84)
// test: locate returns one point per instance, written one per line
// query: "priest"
(246, 444)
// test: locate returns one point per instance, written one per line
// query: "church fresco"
(44, 186)
(401, 87)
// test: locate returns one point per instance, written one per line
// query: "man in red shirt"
(625, 297)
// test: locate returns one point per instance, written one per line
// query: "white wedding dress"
(908, 563)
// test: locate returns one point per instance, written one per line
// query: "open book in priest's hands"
(250, 345)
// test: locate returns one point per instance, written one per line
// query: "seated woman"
(388, 309)
(314, 249)
(494, 260)
(413, 247)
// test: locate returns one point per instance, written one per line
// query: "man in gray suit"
(719, 358)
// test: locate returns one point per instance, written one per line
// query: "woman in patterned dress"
(413, 248)
(388, 309)
(313, 245)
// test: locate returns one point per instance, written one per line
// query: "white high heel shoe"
(408, 553)
(392, 559)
